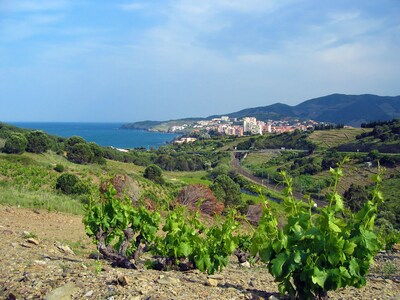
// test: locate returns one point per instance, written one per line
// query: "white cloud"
(134, 6)
(32, 5)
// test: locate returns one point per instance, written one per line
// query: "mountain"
(336, 108)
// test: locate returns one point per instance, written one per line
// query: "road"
(235, 165)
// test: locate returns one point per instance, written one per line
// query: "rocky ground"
(46, 255)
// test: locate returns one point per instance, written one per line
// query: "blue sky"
(137, 60)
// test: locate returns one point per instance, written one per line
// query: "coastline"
(104, 134)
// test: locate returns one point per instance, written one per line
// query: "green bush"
(38, 142)
(154, 173)
(70, 184)
(15, 144)
(98, 154)
(227, 191)
(80, 153)
(59, 168)
(72, 141)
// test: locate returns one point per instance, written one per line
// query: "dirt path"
(48, 270)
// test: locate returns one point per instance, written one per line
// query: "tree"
(38, 141)
(154, 173)
(16, 143)
(226, 190)
(98, 154)
(355, 197)
(71, 184)
(80, 153)
(73, 140)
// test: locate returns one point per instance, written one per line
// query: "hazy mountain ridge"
(336, 108)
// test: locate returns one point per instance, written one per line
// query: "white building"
(249, 123)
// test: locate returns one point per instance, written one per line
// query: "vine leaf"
(319, 277)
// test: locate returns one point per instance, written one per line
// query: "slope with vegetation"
(311, 252)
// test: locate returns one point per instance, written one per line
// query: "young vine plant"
(191, 244)
(317, 252)
(118, 228)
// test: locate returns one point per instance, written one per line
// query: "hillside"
(336, 108)
(45, 270)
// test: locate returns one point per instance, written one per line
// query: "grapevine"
(119, 229)
(190, 244)
(317, 252)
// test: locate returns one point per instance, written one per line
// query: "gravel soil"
(45, 255)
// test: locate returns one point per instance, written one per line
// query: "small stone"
(216, 276)
(40, 262)
(64, 248)
(388, 281)
(256, 297)
(212, 282)
(83, 266)
(272, 297)
(168, 280)
(25, 245)
(8, 232)
(123, 280)
(33, 241)
(89, 294)
(64, 292)
(246, 264)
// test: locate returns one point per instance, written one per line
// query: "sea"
(104, 134)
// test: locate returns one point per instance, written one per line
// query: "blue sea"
(104, 134)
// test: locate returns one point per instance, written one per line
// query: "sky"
(126, 61)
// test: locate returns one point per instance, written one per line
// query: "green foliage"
(98, 154)
(71, 184)
(22, 173)
(389, 237)
(355, 197)
(227, 191)
(59, 168)
(293, 140)
(72, 141)
(116, 217)
(154, 173)
(15, 144)
(80, 153)
(38, 141)
(318, 252)
(208, 248)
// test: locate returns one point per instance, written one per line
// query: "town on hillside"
(240, 127)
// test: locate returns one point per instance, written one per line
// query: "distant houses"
(245, 126)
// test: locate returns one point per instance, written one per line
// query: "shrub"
(200, 196)
(98, 154)
(154, 173)
(59, 168)
(70, 184)
(73, 140)
(15, 144)
(38, 142)
(227, 191)
(80, 153)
